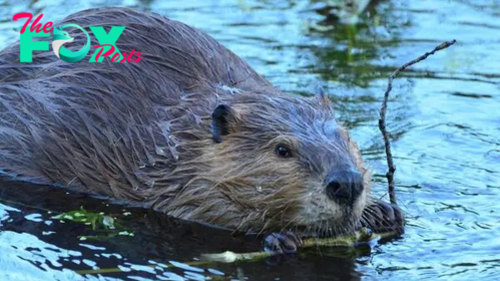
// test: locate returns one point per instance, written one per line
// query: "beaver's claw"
(383, 217)
(282, 243)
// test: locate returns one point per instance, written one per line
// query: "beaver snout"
(345, 186)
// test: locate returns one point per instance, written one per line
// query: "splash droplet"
(160, 151)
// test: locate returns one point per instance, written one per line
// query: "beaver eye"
(283, 151)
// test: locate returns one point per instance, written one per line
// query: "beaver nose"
(345, 186)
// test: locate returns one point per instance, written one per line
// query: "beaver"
(190, 130)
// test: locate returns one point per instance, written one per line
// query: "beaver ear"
(322, 96)
(222, 116)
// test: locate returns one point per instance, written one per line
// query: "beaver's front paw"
(383, 217)
(282, 243)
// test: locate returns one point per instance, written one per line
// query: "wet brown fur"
(141, 132)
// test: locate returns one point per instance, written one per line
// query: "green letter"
(103, 38)
(27, 45)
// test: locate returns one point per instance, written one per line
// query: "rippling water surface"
(444, 117)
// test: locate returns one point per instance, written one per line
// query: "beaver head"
(277, 162)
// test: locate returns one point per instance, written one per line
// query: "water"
(444, 117)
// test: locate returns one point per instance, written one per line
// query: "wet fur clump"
(191, 130)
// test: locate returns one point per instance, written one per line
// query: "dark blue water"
(444, 116)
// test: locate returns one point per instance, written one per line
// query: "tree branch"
(383, 110)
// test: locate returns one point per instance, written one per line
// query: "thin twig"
(360, 237)
(383, 109)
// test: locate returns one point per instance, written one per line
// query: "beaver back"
(64, 122)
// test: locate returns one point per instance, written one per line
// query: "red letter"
(115, 57)
(109, 52)
(47, 25)
(139, 58)
(129, 59)
(23, 15)
(124, 54)
(37, 25)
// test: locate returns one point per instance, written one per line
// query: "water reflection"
(160, 246)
